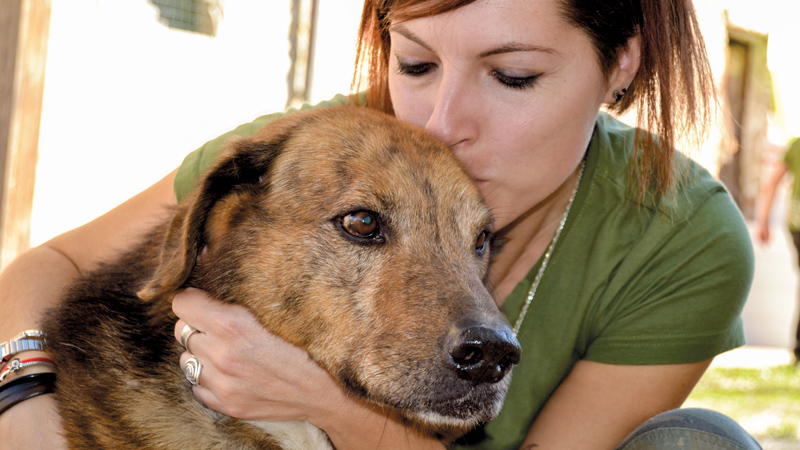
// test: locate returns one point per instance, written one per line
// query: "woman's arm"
(33, 282)
(766, 198)
(251, 374)
(598, 404)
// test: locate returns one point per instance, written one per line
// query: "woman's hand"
(32, 424)
(762, 233)
(249, 373)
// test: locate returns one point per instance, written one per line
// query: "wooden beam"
(24, 31)
(302, 37)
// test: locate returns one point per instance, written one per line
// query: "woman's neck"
(526, 238)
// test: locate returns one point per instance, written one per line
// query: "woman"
(650, 264)
(789, 165)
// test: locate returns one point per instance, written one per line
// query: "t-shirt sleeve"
(678, 297)
(201, 159)
(792, 155)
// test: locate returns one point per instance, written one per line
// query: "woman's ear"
(625, 71)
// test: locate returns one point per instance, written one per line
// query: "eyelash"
(418, 70)
(414, 70)
(516, 82)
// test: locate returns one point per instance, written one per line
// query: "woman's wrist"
(25, 363)
(25, 341)
(26, 371)
(25, 387)
(355, 425)
(32, 424)
(24, 354)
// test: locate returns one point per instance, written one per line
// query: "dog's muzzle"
(483, 354)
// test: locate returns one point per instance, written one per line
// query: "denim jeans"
(690, 429)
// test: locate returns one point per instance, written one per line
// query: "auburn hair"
(672, 91)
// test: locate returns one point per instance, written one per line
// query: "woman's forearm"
(34, 283)
(29, 286)
(354, 425)
(767, 194)
(35, 280)
(373, 429)
(32, 425)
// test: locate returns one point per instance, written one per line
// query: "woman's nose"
(451, 119)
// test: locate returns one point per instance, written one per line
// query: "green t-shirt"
(201, 159)
(626, 284)
(792, 160)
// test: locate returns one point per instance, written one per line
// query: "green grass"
(766, 402)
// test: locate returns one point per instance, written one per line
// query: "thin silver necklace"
(547, 255)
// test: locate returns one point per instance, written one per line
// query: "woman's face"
(509, 86)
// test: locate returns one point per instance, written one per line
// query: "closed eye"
(415, 70)
(418, 70)
(516, 82)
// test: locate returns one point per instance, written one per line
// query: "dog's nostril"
(483, 355)
(465, 356)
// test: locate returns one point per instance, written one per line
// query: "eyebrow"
(519, 47)
(406, 33)
(510, 47)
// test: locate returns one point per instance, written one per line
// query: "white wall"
(770, 315)
(126, 98)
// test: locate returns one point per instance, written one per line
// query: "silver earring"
(618, 95)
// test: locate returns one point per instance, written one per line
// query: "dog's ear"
(246, 162)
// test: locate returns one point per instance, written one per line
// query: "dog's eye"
(481, 243)
(361, 224)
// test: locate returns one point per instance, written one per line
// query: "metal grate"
(199, 16)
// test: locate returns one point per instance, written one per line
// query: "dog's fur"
(377, 310)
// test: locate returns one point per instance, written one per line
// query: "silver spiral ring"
(186, 333)
(191, 369)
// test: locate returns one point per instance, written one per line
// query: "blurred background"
(125, 89)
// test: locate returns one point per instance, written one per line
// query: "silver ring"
(191, 369)
(186, 332)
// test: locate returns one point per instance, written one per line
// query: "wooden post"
(302, 37)
(24, 30)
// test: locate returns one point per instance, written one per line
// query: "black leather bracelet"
(25, 387)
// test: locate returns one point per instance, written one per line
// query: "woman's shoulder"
(613, 141)
(201, 159)
(687, 255)
(698, 214)
(792, 155)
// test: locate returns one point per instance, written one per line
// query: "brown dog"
(345, 232)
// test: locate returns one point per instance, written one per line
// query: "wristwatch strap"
(14, 346)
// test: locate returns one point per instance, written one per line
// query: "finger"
(208, 398)
(193, 369)
(208, 314)
(179, 325)
(184, 332)
(205, 389)
(190, 306)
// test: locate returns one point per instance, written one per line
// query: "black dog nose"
(481, 354)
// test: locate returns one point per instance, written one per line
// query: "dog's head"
(362, 240)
